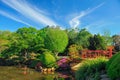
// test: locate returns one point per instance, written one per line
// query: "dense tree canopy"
(97, 42)
(29, 40)
(56, 39)
(82, 38)
(72, 35)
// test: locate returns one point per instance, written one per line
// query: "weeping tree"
(56, 40)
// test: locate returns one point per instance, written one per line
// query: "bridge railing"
(96, 53)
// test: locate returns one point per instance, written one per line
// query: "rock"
(105, 79)
(104, 76)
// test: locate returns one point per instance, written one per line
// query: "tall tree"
(97, 42)
(56, 40)
(82, 38)
(72, 35)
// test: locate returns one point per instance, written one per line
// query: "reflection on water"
(14, 73)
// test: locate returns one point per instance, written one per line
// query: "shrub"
(111, 60)
(90, 68)
(74, 50)
(47, 59)
(113, 70)
(63, 63)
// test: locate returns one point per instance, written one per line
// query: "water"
(15, 73)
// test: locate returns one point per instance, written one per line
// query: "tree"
(116, 42)
(108, 38)
(4, 40)
(97, 42)
(72, 35)
(56, 40)
(82, 38)
(24, 41)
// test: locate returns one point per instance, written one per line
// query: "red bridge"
(96, 53)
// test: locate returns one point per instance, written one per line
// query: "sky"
(97, 16)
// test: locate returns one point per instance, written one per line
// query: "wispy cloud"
(29, 11)
(99, 26)
(75, 22)
(96, 24)
(13, 17)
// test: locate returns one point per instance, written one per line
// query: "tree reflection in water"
(14, 73)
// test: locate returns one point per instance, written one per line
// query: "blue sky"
(95, 15)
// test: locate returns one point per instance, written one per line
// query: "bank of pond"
(17, 73)
(88, 69)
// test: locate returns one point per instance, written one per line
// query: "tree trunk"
(56, 55)
(25, 54)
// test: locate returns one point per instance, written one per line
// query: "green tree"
(24, 41)
(72, 35)
(108, 38)
(56, 40)
(116, 42)
(82, 38)
(4, 40)
(97, 42)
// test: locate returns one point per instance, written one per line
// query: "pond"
(16, 73)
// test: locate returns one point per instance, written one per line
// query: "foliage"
(72, 35)
(56, 40)
(113, 70)
(47, 59)
(74, 50)
(3, 43)
(4, 40)
(116, 42)
(90, 68)
(97, 42)
(24, 41)
(82, 38)
(108, 38)
(64, 63)
(111, 60)
(32, 63)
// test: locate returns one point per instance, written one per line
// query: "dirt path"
(76, 66)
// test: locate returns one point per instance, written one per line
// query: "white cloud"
(75, 22)
(29, 11)
(13, 17)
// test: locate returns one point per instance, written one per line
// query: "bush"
(64, 63)
(90, 69)
(113, 70)
(111, 60)
(47, 59)
(74, 50)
